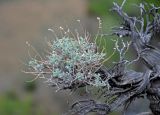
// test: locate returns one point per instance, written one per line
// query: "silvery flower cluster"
(71, 61)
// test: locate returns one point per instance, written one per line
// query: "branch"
(86, 106)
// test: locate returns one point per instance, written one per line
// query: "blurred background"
(29, 20)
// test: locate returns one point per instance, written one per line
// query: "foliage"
(70, 61)
(11, 105)
(100, 7)
(30, 86)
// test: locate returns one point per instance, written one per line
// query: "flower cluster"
(71, 61)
